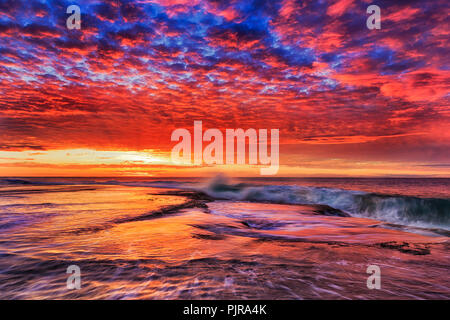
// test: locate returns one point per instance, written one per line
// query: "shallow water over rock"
(139, 243)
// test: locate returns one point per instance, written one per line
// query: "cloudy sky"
(104, 100)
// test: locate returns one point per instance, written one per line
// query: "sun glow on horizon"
(84, 156)
(91, 162)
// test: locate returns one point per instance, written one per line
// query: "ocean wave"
(31, 182)
(81, 181)
(13, 181)
(398, 209)
(406, 210)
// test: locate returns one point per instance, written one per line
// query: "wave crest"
(406, 210)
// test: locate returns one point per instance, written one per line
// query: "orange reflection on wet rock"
(135, 242)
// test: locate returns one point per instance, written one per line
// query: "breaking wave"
(406, 210)
(398, 209)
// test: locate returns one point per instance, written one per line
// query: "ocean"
(221, 238)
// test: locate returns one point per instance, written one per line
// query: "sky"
(104, 100)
